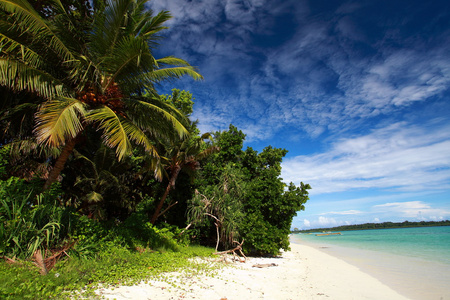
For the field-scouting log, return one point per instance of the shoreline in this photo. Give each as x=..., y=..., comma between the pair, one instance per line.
x=302, y=273
x=413, y=277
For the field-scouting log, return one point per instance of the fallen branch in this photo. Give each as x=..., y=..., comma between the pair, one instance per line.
x=237, y=248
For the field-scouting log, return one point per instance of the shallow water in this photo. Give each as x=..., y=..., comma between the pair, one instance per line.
x=413, y=261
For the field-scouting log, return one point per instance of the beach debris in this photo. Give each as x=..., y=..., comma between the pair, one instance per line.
x=235, y=256
x=264, y=265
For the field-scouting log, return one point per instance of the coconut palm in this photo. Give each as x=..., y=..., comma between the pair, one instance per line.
x=91, y=74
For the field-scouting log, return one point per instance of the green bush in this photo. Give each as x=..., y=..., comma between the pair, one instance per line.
x=29, y=221
x=138, y=232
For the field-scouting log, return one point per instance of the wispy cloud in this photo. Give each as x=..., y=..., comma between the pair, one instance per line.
x=346, y=212
x=394, y=211
x=328, y=76
x=399, y=157
x=412, y=209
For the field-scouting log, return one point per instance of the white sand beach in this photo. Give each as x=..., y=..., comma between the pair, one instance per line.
x=302, y=273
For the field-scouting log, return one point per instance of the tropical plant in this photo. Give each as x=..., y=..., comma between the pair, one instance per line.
x=29, y=222
x=184, y=153
x=223, y=204
x=97, y=184
x=91, y=71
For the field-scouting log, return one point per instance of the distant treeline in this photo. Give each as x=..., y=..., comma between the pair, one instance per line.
x=378, y=226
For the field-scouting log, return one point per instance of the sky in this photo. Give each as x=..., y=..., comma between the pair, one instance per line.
x=358, y=92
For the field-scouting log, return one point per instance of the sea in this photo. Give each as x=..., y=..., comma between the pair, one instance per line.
x=413, y=261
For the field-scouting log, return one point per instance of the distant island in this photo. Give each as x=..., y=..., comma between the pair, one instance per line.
x=384, y=225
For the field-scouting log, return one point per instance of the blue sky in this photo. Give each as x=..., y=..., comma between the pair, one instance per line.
x=358, y=92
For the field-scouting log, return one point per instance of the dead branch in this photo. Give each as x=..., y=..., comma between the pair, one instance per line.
x=237, y=248
x=9, y=260
x=169, y=207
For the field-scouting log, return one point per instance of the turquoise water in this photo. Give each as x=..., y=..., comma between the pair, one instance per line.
x=428, y=243
x=413, y=261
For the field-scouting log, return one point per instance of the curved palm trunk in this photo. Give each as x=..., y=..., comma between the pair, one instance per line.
x=60, y=162
x=171, y=184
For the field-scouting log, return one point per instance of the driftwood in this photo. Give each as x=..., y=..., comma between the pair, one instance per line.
x=264, y=265
x=235, y=256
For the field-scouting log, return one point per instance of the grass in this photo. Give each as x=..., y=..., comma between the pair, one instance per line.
x=79, y=278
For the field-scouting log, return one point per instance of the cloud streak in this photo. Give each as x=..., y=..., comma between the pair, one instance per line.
x=392, y=211
x=329, y=76
x=399, y=157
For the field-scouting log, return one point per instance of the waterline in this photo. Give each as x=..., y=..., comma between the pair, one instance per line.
x=408, y=260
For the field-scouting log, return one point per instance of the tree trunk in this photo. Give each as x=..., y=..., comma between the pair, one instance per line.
x=171, y=184
x=60, y=162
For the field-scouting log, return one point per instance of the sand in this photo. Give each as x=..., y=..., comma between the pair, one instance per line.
x=302, y=273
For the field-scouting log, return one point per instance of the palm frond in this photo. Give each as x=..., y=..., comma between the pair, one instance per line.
x=58, y=120
x=31, y=146
x=109, y=26
x=156, y=117
x=128, y=58
x=114, y=133
x=11, y=47
x=19, y=76
x=172, y=73
x=154, y=25
x=29, y=21
x=139, y=137
x=207, y=152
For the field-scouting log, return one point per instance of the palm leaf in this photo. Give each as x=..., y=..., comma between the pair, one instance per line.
x=29, y=21
x=156, y=117
x=12, y=47
x=108, y=26
x=127, y=59
x=19, y=76
x=139, y=137
x=172, y=73
x=114, y=133
x=58, y=120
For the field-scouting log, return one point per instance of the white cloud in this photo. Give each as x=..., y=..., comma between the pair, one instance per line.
x=346, y=212
x=398, y=157
x=326, y=222
x=315, y=81
x=306, y=223
x=412, y=209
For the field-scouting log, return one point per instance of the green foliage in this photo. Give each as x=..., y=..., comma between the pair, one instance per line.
x=182, y=100
x=266, y=202
x=138, y=232
x=29, y=222
x=230, y=143
x=220, y=204
x=79, y=277
x=270, y=206
x=4, y=153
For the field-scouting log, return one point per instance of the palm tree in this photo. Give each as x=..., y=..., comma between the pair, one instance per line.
x=182, y=154
x=91, y=77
